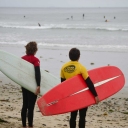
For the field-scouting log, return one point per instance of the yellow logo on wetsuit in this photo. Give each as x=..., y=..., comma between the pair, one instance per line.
x=70, y=69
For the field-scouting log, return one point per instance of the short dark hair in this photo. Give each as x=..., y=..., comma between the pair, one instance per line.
x=31, y=48
x=74, y=54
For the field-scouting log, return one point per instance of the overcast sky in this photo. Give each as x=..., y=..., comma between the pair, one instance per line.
x=63, y=3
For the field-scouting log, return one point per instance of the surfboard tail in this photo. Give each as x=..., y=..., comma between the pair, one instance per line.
x=42, y=105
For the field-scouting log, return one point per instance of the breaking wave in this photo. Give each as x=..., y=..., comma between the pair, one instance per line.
x=66, y=26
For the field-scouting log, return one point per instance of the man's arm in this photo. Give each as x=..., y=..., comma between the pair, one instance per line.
x=62, y=79
x=38, y=79
x=92, y=89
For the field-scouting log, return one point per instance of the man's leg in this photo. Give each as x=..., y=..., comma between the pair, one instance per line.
x=82, y=114
x=31, y=105
x=73, y=119
x=24, y=106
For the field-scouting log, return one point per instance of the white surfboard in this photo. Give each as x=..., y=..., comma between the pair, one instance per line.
x=22, y=72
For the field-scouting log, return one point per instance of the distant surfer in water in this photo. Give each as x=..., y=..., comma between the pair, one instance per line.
x=29, y=98
x=70, y=69
x=83, y=16
x=39, y=25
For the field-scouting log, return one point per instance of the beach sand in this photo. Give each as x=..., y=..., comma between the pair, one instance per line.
x=110, y=113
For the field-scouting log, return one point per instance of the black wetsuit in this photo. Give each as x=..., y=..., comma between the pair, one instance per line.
x=29, y=98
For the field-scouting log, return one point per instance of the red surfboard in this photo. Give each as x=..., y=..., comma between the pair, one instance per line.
x=74, y=94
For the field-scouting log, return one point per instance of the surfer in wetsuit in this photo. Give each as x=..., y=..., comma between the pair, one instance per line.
x=71, y=69
x=39, y=25
x=29, y=98
x=83, y=16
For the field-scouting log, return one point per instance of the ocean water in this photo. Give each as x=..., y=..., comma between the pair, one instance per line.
x=66, y=27
x=63, y=28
